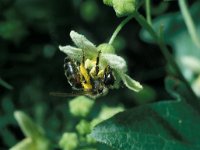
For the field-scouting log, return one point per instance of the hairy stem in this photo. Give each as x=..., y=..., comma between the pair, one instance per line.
x=148, y=10
x=165, y=51
x=119, y=27
x=189, y=22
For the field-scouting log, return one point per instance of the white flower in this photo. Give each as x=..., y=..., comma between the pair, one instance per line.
x=192, y=72
x=117, y=63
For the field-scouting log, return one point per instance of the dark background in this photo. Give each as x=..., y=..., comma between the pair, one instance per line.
x=30, y=61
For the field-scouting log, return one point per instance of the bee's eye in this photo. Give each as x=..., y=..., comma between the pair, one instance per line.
x=109, y=79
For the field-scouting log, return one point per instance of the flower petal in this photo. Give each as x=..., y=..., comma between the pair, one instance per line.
x=72, y=52
x=83, y=43
x=191, y=63
x=130, y=83
x=114, y=61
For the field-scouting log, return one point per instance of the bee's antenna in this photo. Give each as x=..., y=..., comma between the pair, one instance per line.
x=60, y=94
x=83, y=58
x=57, y=94
x=97, y=62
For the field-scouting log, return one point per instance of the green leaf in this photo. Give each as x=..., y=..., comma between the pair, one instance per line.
x=176, y=35
x=29, y=128
x=164, y=125
x=35, y=138
x=23, y=145
x=108, y=2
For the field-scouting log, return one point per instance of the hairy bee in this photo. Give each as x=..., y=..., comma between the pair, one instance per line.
x=90, y=81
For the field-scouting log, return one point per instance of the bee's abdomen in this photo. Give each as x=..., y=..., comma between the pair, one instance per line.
x=72, y=73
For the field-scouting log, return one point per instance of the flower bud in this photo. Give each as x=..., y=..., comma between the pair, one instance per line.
x=106, y=48
x=90, y=139
x=108, y=2
x=80, y=106
x=69, y=141
x=124, y=7
x=83, y=127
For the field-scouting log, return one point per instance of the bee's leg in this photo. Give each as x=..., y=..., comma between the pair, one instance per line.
x=97, y=63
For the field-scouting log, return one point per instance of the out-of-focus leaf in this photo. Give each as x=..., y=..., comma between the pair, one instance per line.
x=35, y=136
x=7, y=105
x=8, y=137
x=163, y=125
x=89, y=10
x=49, y=51
x=13, y=30
x=119, y=43
x=176, y=34
x=33, y=9
x=5, y=84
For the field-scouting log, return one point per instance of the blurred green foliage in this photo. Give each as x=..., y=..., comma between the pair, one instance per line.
x=31, y=65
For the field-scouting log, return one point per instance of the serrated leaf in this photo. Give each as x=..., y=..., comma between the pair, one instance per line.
x=164, y=125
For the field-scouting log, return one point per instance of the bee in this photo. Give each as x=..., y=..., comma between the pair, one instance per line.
x=91, y=81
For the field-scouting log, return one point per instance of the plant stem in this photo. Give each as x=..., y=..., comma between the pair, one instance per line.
x=5, y=84
x=165, y=51
x=189, y=22
x=119, y=27
x=148, y=10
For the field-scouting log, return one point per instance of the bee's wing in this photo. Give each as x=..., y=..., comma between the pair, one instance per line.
x=60, y=94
